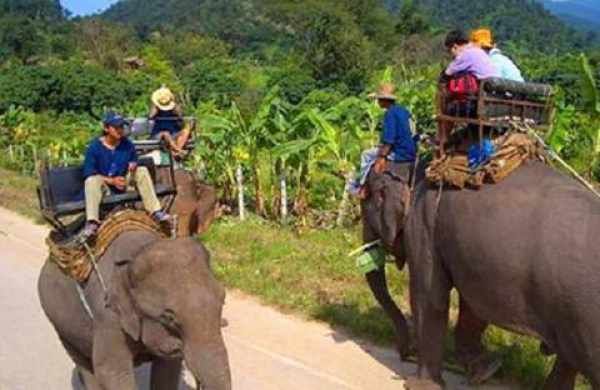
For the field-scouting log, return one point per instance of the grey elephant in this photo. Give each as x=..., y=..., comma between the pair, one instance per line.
x=196, y=203
x=383, y=217
x=162, y=305
x=524, y=255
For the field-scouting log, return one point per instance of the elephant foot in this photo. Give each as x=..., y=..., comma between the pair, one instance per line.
x=405, y=340
x=483, y=368
x=406, y=349
x=414, y=383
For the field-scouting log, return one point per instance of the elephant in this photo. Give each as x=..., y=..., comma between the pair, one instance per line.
x=161, y=304
x=523, y=254
x=383, y=215
x=196, y=203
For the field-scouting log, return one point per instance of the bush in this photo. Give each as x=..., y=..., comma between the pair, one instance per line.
x=71, y=86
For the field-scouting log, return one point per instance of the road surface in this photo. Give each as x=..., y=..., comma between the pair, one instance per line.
x=268, y=350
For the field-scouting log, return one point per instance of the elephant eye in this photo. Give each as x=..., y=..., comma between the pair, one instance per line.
x=168, y=319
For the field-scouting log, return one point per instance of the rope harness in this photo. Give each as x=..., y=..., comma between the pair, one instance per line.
x=78, y=259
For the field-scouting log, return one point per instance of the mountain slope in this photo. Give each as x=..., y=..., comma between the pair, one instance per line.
x=523, y=21
x=583, y=14
x=246, y=22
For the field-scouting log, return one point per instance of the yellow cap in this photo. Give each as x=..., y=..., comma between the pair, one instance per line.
x=482, y=37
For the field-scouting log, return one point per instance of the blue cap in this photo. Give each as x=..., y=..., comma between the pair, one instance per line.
x=115, y=120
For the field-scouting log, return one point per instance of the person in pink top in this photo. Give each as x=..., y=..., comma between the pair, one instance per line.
x=468, y=58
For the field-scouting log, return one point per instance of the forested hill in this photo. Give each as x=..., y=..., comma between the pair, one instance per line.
x=582, y=14
x=248, y=22
x=526, y=22
x=32, y=9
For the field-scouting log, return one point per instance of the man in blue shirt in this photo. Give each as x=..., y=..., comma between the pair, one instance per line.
x=396, y=142
x=111, y=166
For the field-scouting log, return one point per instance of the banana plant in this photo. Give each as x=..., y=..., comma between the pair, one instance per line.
x=591, y=98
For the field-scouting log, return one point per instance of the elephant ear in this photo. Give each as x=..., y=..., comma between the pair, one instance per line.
x=122, y=300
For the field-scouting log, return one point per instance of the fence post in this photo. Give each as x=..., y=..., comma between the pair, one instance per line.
x=35, y=158
x=239, y=174
x=343, y=206
x=284, y=197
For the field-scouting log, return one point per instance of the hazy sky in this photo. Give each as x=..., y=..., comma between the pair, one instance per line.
x=85, y=7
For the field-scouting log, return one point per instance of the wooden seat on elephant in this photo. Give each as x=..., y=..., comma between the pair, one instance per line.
x=495, y=108
x=61, y=193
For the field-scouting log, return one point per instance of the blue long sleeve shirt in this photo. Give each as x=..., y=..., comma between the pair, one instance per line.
x=100, y=160
x=397, y=134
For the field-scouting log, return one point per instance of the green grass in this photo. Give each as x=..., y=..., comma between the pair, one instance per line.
x=310, y=274
x=307, y=273
x=18, y=193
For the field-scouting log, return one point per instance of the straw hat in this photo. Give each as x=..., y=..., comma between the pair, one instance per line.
x=164, y=99
x=483, y=38
x=385, y=92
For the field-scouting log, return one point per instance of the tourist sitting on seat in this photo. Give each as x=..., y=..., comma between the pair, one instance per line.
x=505, y=66
x=168, y=121
x=468, y=58
x=111, y=167
x=396, y=143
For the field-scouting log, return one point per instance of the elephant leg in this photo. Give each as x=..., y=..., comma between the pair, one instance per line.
x=113, y=361
x=433, y=325
x=88, y=379
x=430, y=300
x=431, y=345
x=479, y=364
x=562, y=377
x=378, y=284
x=166, y=374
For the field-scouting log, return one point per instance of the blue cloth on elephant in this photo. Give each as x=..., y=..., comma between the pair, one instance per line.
x=479, y=154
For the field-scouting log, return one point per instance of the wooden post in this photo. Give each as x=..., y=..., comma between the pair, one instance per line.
x=35, y=158
x=284, y=197
x=341, y=217
x=239, y=174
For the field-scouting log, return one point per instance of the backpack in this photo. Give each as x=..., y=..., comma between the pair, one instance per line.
x=462, y=85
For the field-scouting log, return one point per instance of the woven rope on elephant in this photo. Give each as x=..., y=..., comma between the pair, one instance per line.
x=512, y=150
x=75, y=261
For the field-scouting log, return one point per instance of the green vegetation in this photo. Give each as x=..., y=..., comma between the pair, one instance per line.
x=279, y=88
x=18, y=193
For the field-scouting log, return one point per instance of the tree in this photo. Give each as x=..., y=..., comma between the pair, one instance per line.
x=334, y=46
x=106, y=44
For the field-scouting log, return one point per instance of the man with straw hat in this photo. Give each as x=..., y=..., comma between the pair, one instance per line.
x=396, y=142
x=168, y=120
x=506, y=67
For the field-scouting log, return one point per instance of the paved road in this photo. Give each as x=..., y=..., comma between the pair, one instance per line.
x=268, y=350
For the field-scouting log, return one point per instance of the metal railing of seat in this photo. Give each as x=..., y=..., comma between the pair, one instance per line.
x=142, y=126
x=497, y=105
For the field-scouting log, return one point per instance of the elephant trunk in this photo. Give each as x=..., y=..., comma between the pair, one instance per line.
x=208, y=361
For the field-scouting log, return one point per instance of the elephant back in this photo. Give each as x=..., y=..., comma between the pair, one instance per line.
x=75, y=259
